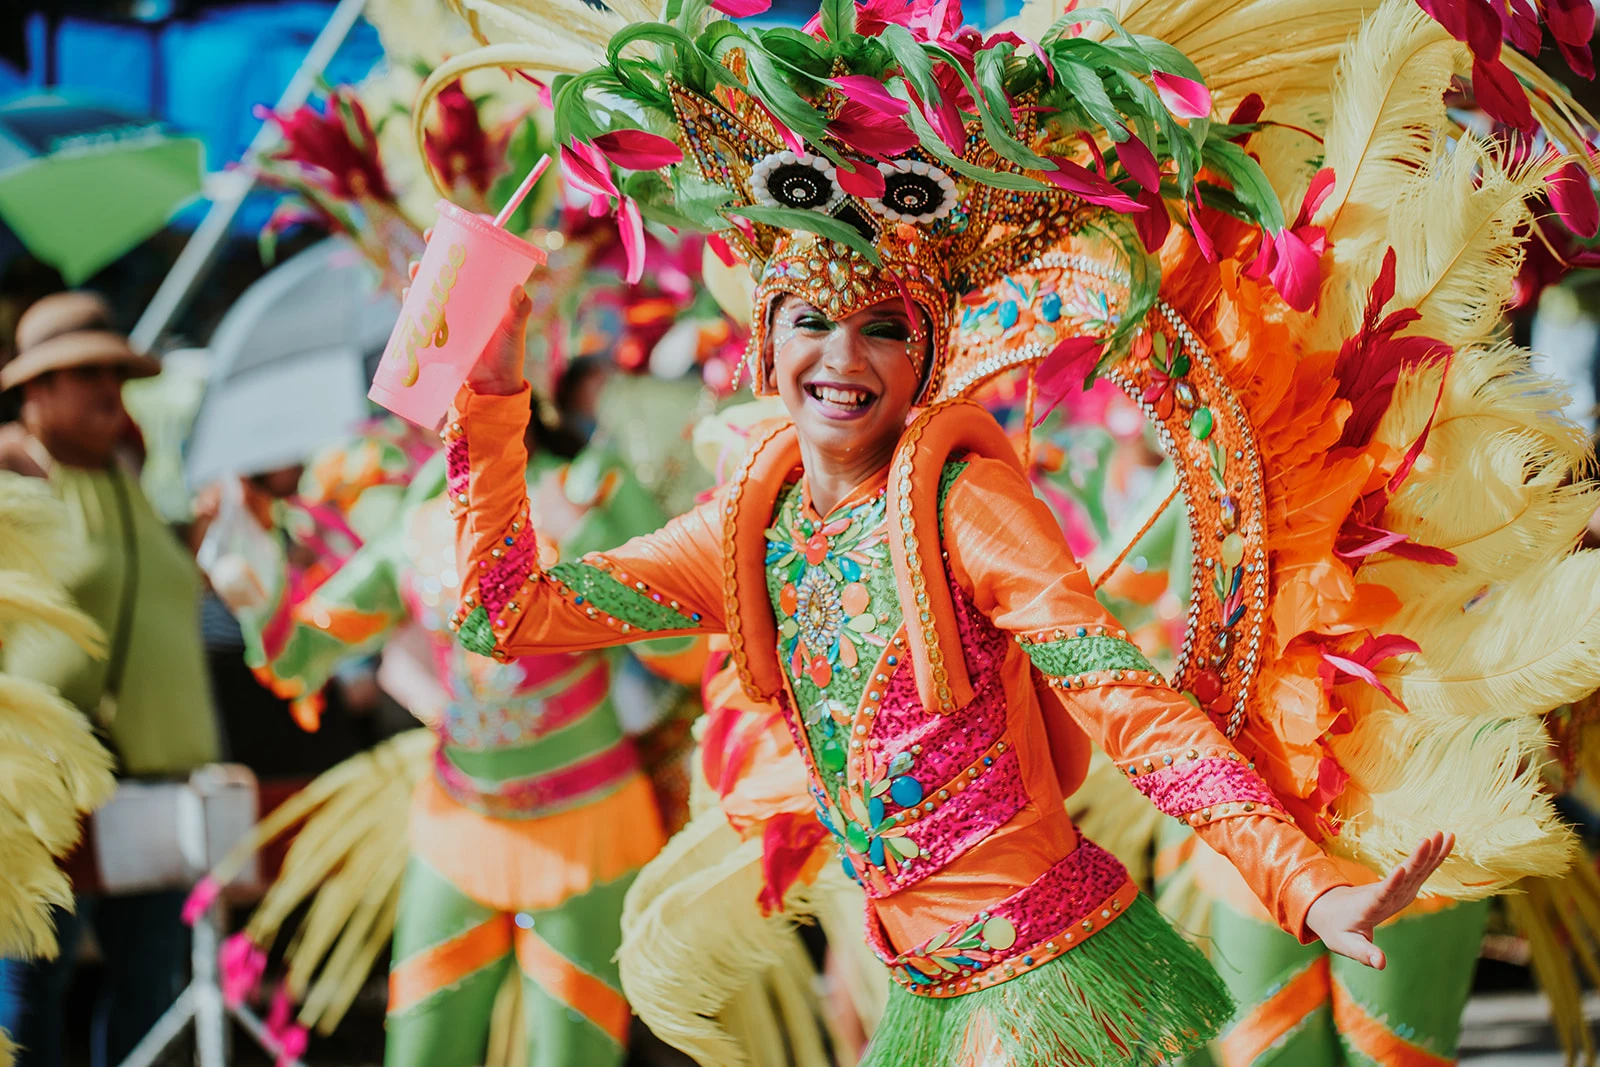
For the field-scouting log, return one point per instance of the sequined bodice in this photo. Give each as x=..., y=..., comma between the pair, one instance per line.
x=885, y=774
x=832, y=590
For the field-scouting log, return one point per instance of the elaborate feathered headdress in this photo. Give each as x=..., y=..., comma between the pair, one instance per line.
x=885, y=151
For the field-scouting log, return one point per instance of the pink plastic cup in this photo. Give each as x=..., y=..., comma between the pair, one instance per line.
x=461, y=292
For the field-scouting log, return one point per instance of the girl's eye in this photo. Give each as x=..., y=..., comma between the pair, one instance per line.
x=812, y=322
x=893, y=331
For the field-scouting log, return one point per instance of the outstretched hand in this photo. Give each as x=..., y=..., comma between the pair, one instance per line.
x=498, y=371
x=1345, y=917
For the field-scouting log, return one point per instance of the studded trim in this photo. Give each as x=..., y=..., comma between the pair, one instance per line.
x=625, y=603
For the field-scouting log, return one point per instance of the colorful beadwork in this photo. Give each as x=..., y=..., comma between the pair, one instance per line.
x=589, y=582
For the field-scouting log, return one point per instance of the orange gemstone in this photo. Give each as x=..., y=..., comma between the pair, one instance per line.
x=855, y=599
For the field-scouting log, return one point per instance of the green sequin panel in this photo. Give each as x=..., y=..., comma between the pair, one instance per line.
x=1081, y=655
x=825, y=710
x=947, y=481
x=476, y=635
x=619, y=601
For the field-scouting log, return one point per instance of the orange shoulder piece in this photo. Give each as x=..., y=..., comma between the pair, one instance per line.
x=752, y=494
x=943, y=430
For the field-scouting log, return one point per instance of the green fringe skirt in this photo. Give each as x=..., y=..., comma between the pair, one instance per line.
x=1134, y=994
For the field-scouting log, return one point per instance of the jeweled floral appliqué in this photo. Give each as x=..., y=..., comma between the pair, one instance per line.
x=825, y=605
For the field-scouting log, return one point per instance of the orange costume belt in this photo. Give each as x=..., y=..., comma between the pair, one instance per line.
x=1062, y=908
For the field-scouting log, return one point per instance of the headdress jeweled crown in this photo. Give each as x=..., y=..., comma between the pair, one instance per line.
x=888, y=150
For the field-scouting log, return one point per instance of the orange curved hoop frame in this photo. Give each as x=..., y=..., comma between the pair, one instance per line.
x=1200, y=424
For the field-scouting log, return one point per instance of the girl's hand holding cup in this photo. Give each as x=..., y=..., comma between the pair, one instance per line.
x=498, y=371
x=463, y=317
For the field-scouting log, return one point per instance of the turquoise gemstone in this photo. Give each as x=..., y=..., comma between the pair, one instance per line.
x=849, y=868
x=1008, y=314
x=850, y=569
x=875, y=852
x=875, y=810
x=906, y=791
x=855, y=836
x=1050, y=307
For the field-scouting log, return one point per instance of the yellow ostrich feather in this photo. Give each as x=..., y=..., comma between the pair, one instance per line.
x=1531, y=643
x=1495, y=484
x=1506, y=826
x=1387, y=110
x=571, y=22
x=1461, y=221
x=1283, y=49
x=31, y=601
x=52, y=769
x=1560, y=920
x=694, y=944
x=1564, y=120
x=35, y=534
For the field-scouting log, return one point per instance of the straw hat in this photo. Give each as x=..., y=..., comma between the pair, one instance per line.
x=71, y=330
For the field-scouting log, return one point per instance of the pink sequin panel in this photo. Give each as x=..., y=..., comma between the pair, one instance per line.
x=538, y=794
x=1196, y=784
x=1060, y=898
x=457, y=466
x=1062, y=895
x=965, y=820
x=949, y=742
x=502, y=578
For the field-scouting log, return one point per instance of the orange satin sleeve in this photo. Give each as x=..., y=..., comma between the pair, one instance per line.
x=1006, y=550
x=518, y=598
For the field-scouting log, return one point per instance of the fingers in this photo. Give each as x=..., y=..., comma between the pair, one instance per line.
x=1361, y=949
x=518, y=307
x=1402, y=884
x=412, y=268
x=427, y=235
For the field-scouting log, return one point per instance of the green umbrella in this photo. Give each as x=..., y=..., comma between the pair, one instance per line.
x=81, y=184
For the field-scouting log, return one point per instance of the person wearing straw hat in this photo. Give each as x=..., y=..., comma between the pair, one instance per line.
x=148, y=695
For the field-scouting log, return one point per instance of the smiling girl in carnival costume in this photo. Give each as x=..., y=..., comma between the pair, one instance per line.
x=916, y=202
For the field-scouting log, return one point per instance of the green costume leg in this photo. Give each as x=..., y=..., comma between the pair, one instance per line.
x=1409, y=1013
x=572, y=993
x=1285, y=1018
x=450, y=956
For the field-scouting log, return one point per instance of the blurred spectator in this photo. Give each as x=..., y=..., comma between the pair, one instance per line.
x=148, y=695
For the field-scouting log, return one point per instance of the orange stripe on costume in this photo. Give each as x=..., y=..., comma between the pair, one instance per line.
x=416, y=979
x=572, y=986
x=1376, y=1041
x=533, y=864
x=1268, y=1022
x=348, y=625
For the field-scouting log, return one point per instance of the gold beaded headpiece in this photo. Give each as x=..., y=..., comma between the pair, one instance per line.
x=936, y=233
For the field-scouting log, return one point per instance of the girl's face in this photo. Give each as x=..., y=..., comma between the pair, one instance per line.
x=849, y=385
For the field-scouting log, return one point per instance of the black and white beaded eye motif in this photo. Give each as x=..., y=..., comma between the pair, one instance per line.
x=914, y=191
x=787, y=179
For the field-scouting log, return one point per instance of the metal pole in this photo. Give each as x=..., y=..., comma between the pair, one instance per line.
x=198, y=254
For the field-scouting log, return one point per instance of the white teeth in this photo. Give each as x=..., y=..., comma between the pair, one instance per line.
x=850, y=398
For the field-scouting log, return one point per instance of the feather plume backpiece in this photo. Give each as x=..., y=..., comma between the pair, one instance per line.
x=1420, y=605
x=52, y=769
